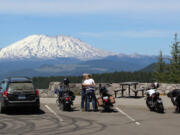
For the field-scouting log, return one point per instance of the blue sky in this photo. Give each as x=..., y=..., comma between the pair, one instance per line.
x=125, y=26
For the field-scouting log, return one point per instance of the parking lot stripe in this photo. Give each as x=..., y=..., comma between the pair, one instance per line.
x=60, y=119
x=129, y=117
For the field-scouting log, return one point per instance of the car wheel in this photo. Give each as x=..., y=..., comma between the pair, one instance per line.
x=2, y=109
x=37, y=109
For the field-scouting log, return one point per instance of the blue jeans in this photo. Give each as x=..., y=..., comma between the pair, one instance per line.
x=90, y=94
x=82, y=98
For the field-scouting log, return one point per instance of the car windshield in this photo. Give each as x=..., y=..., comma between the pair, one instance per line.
x=20, y=86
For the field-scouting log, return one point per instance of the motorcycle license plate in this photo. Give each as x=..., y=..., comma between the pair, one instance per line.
x=105, y=97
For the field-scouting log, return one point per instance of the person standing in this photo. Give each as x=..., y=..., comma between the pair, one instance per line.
x=83, y=92
x=89, y=85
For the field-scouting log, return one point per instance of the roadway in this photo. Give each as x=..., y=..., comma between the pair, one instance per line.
x=125, y=120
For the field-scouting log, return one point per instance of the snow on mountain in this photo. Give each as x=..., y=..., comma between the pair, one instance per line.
x=134, y=55
x=46, y=47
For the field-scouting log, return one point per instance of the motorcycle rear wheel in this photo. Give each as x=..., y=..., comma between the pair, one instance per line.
x=61, y=106
x=160, y=108
x=68, y=108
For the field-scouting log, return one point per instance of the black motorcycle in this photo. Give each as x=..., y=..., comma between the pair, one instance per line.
x=65, y=102
x=65, y=97
x=106, y=100
x=154, y=102
x=107, y=105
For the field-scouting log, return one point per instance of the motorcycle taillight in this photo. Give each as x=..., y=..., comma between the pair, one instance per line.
x=67, y=98
x=106, y=100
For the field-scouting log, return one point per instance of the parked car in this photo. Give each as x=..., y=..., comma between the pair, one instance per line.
x=18, y=92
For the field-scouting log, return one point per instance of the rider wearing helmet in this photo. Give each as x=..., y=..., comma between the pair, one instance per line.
x=155, y=85
x=103, y=90
x=64, y=88
x=66, y=81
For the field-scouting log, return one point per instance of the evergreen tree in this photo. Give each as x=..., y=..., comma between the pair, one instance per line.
x=160, y=70
x=174, y=67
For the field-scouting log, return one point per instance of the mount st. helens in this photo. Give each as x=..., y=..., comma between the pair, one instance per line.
x=41, y=55
x=45, y=47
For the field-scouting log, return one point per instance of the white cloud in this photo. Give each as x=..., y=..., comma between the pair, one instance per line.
x=130, y=34
x=87, y=6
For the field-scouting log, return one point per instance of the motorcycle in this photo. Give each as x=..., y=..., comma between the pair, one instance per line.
x=107, y=104
x=65, y=96
x=153, y=101
x=106, y=100
x=65, y=102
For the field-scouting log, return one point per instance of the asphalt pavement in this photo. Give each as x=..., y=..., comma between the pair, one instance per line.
x=130, y=116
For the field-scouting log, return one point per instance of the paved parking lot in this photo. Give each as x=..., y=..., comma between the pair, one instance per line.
x=125, y=120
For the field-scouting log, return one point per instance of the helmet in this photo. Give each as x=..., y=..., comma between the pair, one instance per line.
x=66, y=81
x=103, y=90
x=155, y=85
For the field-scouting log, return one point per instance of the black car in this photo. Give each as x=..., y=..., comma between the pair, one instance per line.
x=18, y=92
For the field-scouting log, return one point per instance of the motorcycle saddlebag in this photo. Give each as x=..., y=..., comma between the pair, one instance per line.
x=99, y=101
x=112, y=99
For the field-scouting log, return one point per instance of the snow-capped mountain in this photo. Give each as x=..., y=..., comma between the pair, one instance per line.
x=46, y=47
x=40, y=55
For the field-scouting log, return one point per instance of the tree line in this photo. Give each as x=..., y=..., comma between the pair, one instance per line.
x=168, y=68
x=115, y=77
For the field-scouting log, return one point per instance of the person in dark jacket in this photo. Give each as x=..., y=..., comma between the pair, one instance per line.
x=175, y=98
x=64, y=88
x=103, y=91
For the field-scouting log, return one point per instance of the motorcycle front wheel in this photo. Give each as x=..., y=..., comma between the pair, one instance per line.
x=149, y=105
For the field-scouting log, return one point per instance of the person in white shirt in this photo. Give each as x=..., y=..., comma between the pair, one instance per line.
x=89, y=84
